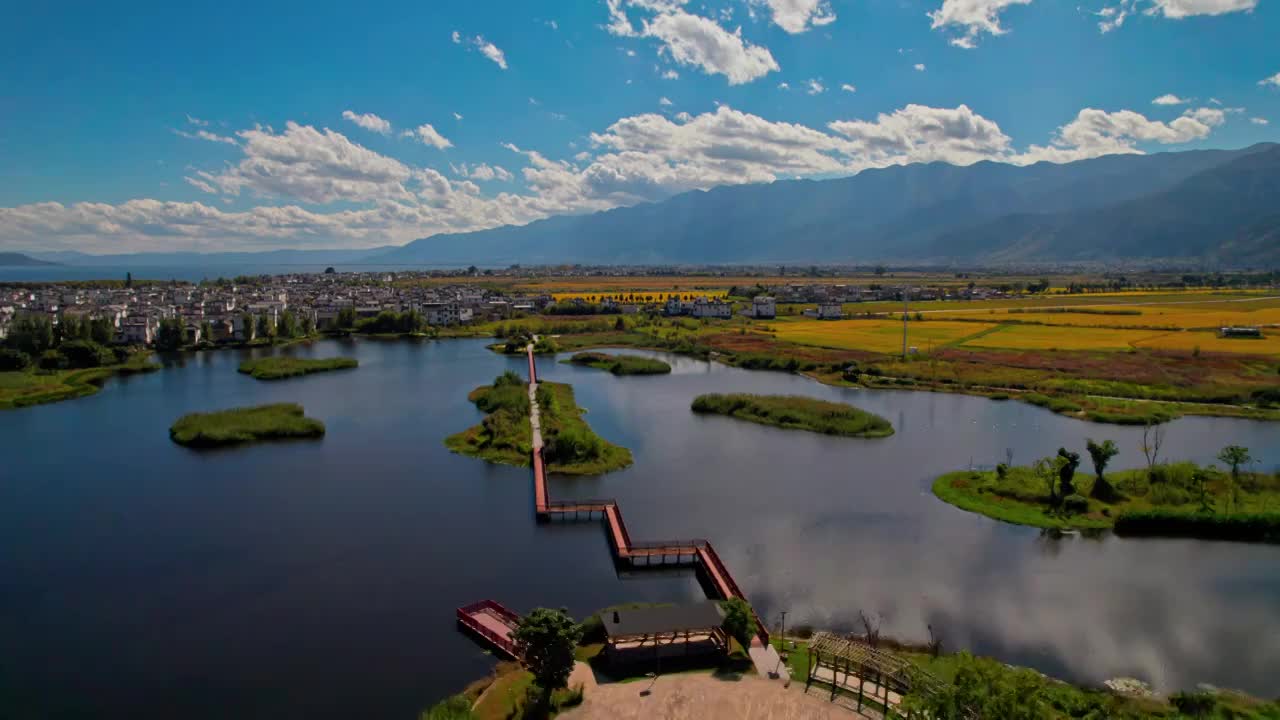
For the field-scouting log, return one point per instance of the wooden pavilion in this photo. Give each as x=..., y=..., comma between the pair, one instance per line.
x=673, y=631
x=863, y=673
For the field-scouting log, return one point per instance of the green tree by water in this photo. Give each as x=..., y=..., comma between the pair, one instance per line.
x=1234, y=456
x=101, y=330
x=738, y=621
x=206, y=332
x=1067, y=463
x=265, y=329
x=456, y=707
x=31, y=334
x=1101, y=454
x=171, y=335
x=546, y=640
x=286, y=325
x=347, y=318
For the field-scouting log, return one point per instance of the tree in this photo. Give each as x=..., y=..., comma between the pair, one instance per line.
x=546, y=640
x=1067, y=464
x=1234, y=456
x=1101, y=455
x=308, y=325
x=171, y=335
x=128, y=279
x=456, y=707
x=32, y=334
x=1047, y=470
x=246, y=326
x=206, y=332
x=286, y=324
x=102, y=331
x=265, y=328
x=11, y=359
x=738, y=620
x=1152, y=439
x=329, y=271
x=347, y=318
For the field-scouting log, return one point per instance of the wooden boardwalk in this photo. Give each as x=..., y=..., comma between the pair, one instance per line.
x=493, y=623
x=695, y=553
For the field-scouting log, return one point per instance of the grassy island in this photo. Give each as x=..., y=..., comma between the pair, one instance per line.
x=796, y=412
x=1165, y=499
x=36, y=386
x=570, y=446
x=281, y=421
x=278, y=368
x=620, y=364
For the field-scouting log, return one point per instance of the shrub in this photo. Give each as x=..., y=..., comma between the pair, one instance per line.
x=1255, y=527
x=14, y=360
x=1075, y=504
x=86, y=354
x=52, y=360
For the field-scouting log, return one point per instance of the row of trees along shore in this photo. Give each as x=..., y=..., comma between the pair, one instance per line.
x=72, y=344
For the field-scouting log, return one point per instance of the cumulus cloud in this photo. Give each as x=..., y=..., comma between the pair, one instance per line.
x=784, y=86
x=919, y=67
x=693, y=40
x=1259, y=121
x=486, y=48
x=665, y=101
x=815, y=87
x=456, y=37
x=1178, y=9
x=1096, y=132
x=972, y=17
x=1169, y=99
x=1273, y=81
x=848, y=88
x=635, y=159
x=197, y=121
x=368, y=121
x=427, y=135
x=457, y=116
x=670, y=75
x=797, y=16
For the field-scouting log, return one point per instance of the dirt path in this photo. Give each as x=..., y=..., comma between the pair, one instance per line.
x=699, y=696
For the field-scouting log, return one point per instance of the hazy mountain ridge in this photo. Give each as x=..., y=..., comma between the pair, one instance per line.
x=13, y=259
x=982, y=212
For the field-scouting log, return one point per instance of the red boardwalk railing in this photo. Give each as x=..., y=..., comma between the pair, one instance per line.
x=624, y=549
x=493, y=623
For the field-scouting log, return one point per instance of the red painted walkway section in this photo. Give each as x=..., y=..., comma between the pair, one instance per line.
x=624, y=549
x=492, y=622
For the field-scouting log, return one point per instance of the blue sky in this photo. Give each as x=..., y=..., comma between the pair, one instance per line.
x=232, y=126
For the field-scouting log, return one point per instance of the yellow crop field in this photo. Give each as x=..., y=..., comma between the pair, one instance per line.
x=638, y=295
x=1049, y=337
x=1186, y=317
x=1210, y=342
x=875, y=335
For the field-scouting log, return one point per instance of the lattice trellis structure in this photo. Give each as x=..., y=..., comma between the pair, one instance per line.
x=872, y=676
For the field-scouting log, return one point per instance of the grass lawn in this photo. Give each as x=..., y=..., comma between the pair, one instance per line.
x=504, y=696
x=278, y=368
x=279, y=421
x=1021, y=497
x=620, y=364
x=31, y=387
x=796, y=413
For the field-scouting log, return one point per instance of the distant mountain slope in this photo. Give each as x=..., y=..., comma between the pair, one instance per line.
x=923, y=211
x=1228, y=212
x=265, y=258
x=12, y=259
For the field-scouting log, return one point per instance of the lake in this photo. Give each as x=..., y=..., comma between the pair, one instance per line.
x=319, y=579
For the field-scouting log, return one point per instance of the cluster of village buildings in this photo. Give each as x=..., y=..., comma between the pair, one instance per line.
x=229, y=311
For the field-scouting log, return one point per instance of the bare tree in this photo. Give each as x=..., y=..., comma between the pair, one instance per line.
x=871, y=630
x=935, y=642
x=1152, y=439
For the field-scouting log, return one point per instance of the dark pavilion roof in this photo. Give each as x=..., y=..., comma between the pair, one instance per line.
x=648, y=621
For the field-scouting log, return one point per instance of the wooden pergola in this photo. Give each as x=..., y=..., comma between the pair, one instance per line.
x=867, y=673
x=640, y=634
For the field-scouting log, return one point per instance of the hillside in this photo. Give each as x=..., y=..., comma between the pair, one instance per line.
x=935, y=211
x=12, y=259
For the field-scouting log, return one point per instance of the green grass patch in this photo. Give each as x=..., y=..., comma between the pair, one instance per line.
x=504, y=435
x=569, y=445
x=797, y=413
x=1175, y=499
x=280, y=421
x=34, y=387
x=620, y=364
x=278, y=368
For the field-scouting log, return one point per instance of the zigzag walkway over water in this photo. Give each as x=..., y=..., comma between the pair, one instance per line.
x=495, y=623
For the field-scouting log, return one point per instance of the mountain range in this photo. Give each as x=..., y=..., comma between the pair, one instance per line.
x=12, y=259
x=1203, y=206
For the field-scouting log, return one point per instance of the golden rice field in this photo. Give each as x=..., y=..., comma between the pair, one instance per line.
x=1210, y=342
x=1049, y=337
x=876, y=335
x=1187, y=317
x=639, y=295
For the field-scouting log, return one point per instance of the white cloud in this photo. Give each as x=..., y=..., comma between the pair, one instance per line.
x=429, y=136
x=692, y=40
x=457, y=116
x=482, y=172
x=1273, y=81
x=848, y=88
x=1097, y=132
x=670, y=75
x=197, y=121
x=368, y=121
x=1214, y=101
x=664, y=101
x=919, y=67
x=797, y=16
x=637, y=158
x=1259, y=121
x=205, y=135
x=1178, y=9
x=490, y=51
x=456, y=37
x=553, y=24
x=784, y=86
x=973, y=16
x=814, y=87
x=1170, y=99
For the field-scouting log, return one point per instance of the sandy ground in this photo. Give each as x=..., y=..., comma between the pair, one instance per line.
x=698, y=696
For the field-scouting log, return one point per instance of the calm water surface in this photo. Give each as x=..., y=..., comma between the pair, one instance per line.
x=142, y=579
